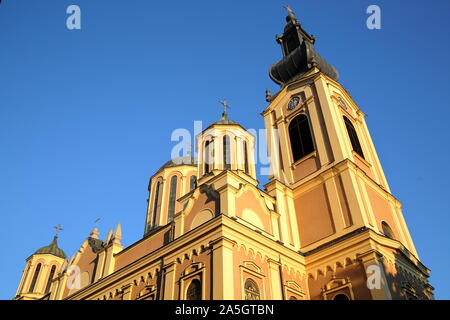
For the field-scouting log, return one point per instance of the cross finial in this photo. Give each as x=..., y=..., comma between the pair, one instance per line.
x=289, y=10
x=225, y=105
x=58, y=228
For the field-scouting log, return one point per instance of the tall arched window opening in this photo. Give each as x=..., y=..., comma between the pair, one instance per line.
x=341, y=296
x=208, y=156
x=251, y=290
x=194, y=291
x=192, y=183
x=50, y=278
x=156, y=204
x=35, y=277
x=245, y=157
x=387, y=230
x=226, y=153
x=300, y=136
x=356, y=146
x=172, y=198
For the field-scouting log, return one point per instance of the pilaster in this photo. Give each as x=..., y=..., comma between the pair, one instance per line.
x=169, y=281
x=275, y=280
x=223, y=266
x=376, y=276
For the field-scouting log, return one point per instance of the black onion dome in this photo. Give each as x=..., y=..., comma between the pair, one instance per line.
x=52, y=248
x=297, y=63
x=299, y=55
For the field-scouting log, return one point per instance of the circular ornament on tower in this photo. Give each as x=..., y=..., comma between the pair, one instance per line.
x=293, y=103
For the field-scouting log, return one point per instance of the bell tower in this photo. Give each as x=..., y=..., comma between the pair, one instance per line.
x=329, y=184
x=321, y=149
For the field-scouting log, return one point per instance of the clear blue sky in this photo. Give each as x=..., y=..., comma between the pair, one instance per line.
x=86, y=116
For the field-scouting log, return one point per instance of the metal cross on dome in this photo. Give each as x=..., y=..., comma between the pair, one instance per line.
x=225, y=105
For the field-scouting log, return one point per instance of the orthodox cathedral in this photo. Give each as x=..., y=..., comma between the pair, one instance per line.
x=325, y=226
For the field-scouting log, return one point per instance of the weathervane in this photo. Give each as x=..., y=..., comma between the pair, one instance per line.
x=58, y=228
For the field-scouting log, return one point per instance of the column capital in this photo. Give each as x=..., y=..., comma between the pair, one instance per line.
x=169, y=267
x=222, y=242
x=273, y=263
x=126, y=291
x=369, y=256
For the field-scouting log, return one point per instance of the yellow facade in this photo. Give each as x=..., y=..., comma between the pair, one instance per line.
x=325, y=226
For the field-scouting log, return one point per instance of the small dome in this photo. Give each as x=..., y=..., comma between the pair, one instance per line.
x=53, y=249
x=225, y=120
x=180, y=161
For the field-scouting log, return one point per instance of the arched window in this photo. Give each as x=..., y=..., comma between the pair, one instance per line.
x=300, y=135
x=172, y=198
x=155, y=203
x=251, y=290
x=194, y=291
x=387, y=230
x=245, y=157
x=50, y=278
x=148, y=221
x=353, y=137
x=192, y=183
x=35, y=277
x=226, y=153
x=341, y=296
x=208, y=156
